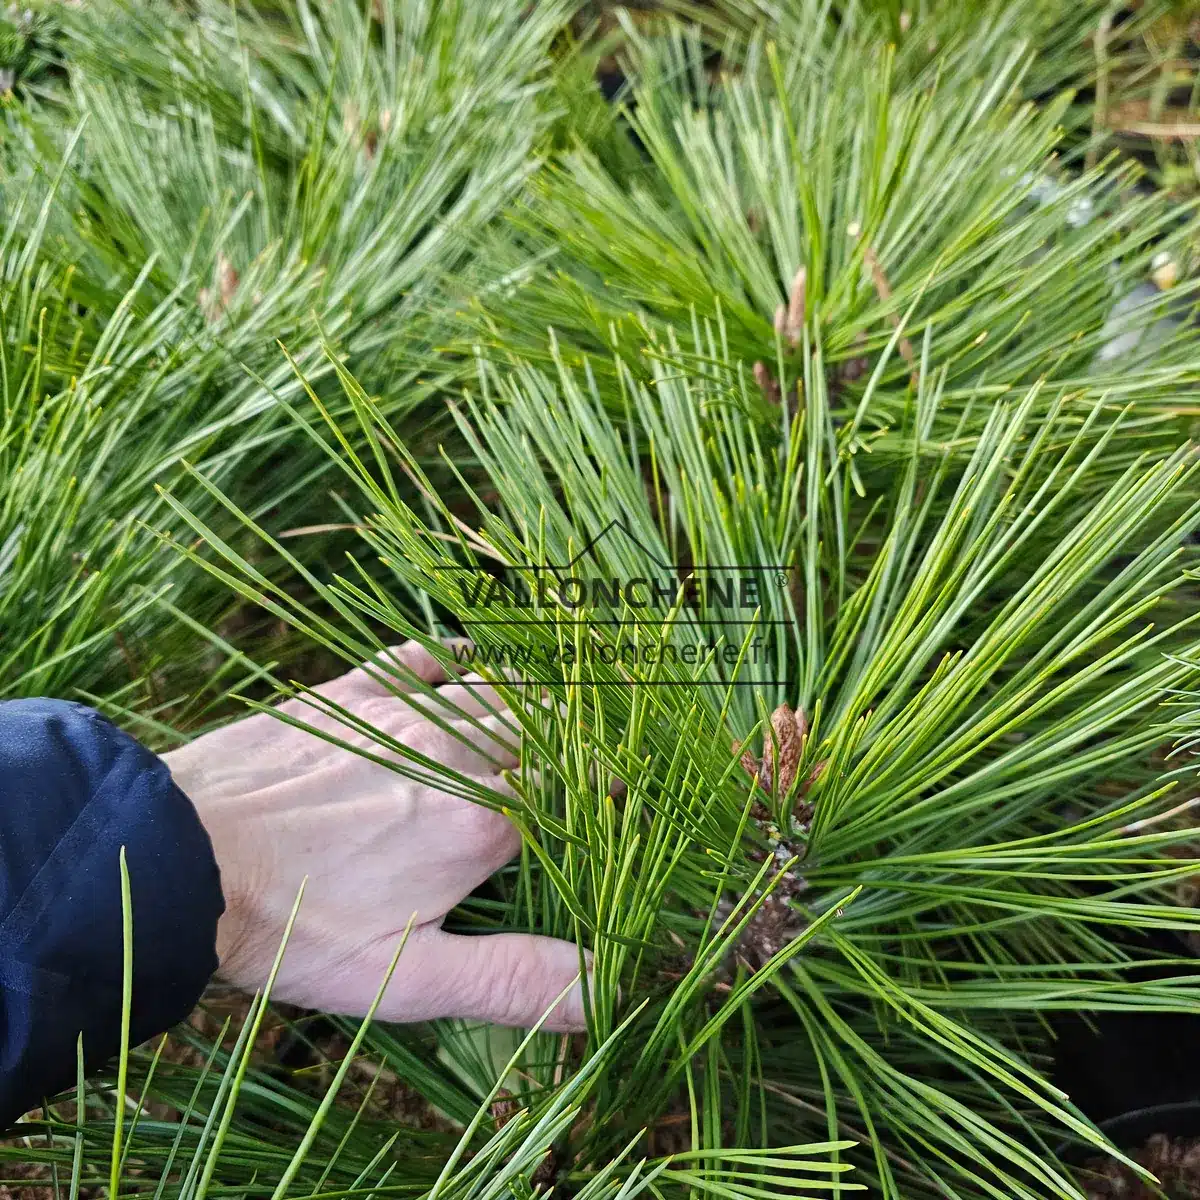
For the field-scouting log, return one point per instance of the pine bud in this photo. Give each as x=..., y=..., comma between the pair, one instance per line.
x=767, y=381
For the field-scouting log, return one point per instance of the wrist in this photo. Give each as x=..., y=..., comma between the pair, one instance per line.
x=232, y=925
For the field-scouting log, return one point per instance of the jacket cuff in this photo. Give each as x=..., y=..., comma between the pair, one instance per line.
x=74, y=790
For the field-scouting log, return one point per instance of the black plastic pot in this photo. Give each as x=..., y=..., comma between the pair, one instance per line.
x=1118, y=1063
x=1114, y=1063
x=1130, y=1130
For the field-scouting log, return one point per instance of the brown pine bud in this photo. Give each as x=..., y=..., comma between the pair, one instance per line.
x=227, y=280
x=786, y=745
x=546, y=1172
x=504, y=1108
x=215, y=300
x=793, y=324
x=766, y=381
x=749, y=762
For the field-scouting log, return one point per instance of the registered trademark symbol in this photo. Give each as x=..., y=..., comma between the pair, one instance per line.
x=782, y=579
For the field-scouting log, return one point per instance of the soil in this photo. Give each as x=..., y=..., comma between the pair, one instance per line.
x=322, y=1053
x=392, y=1100
x=1175, y=1161
x=25, y=1181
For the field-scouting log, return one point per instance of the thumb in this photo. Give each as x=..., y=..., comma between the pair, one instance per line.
x=505, y=978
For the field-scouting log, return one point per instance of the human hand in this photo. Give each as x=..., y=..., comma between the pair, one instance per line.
x=281, y=805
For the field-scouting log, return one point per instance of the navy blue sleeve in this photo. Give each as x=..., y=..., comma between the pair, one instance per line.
x=74, y=789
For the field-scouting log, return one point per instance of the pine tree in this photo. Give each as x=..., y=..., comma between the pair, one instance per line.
x=840, y=587
x=198, y=188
